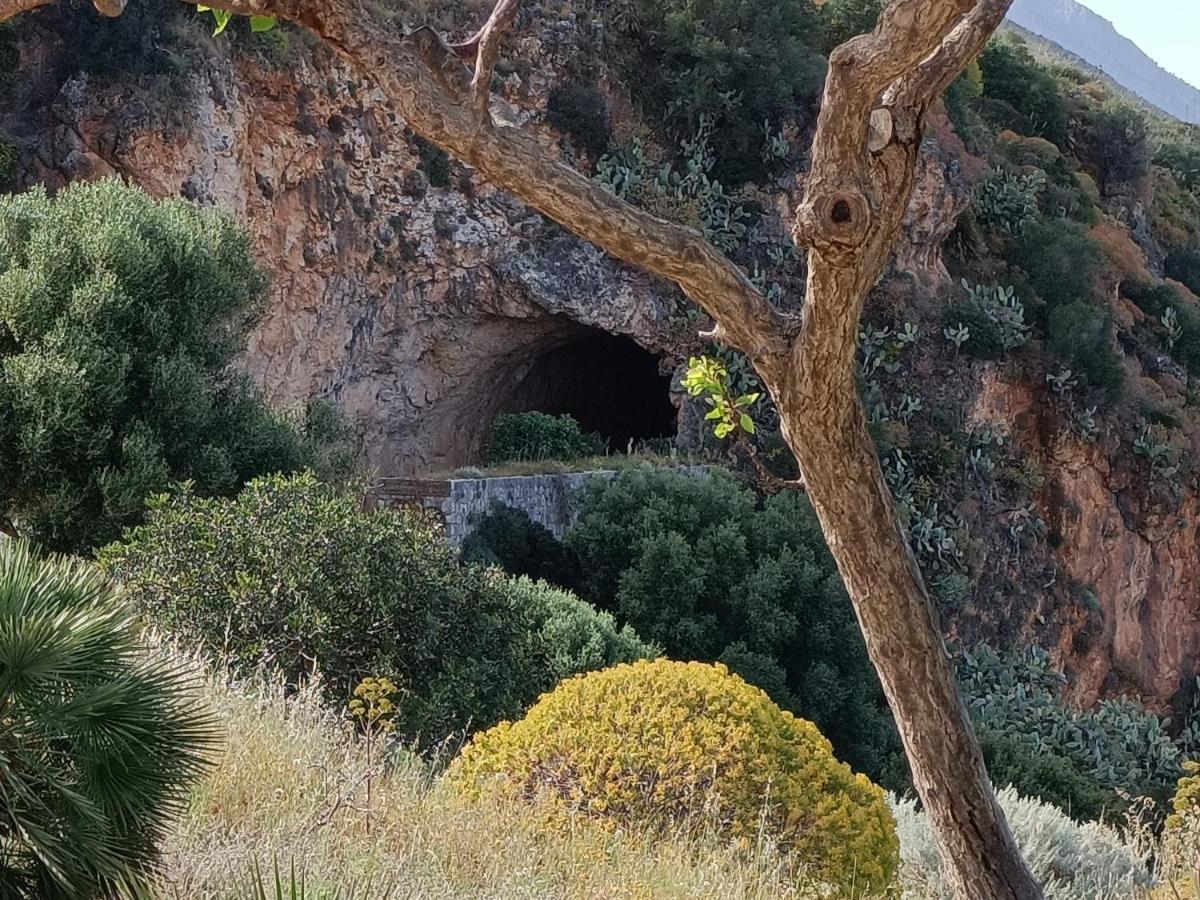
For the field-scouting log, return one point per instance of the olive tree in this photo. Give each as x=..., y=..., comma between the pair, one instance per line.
x=877, y=93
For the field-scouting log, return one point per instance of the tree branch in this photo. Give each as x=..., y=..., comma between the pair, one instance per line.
x=428, y=85
x=485, y=45
x=937, y=71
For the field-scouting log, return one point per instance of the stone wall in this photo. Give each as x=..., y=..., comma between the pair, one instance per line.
x=546, y=499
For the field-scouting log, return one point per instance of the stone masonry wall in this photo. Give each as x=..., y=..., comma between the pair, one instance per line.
x=546, y=499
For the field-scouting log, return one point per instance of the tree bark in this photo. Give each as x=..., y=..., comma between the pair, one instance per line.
x=864, y=156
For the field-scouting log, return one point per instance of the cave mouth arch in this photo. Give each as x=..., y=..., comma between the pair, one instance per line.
x=608, y=383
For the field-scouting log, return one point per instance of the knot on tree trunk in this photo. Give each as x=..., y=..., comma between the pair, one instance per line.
x=836, y=221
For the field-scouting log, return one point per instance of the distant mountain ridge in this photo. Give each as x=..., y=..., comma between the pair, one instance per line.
x=1091, y=37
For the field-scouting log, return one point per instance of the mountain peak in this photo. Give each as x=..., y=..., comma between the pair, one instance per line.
x=1086, y=34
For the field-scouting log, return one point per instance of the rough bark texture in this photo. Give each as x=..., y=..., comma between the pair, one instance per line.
x=864, y=164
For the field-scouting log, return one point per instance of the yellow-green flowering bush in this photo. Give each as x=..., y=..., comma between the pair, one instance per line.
x=661, y=745
x=1186, y=801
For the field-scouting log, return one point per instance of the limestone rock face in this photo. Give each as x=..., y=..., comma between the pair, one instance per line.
x=403, y=287
x=1131, y=554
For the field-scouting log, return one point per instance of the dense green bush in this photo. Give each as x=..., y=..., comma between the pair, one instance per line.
x=1114, y=140
x=1184, y=266
x=1080, y=334
x=98, y=741
x=697, y=565
x=508, y=538
x=670, y=747
x=741, y=63
x=1032, y=102
x=580, y=112
x=844, y=19
x=1018, y=760
x=1060, y=259
x=535, y=435
x=295, y=575
x=1182, y=159
x=119, y=318
x=994, y=317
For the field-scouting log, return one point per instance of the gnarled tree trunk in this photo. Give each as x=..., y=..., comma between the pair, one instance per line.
x=879, y=88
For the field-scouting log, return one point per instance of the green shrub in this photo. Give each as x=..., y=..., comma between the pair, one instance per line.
x=580, y=112
x=572, y=635
x=295, y=575
x=995, y=319
x=666, y=745
x=1008, y=202
x=1182, y=160
x=536, y=436
x=1072, y=861
x=1031, y=95
x=1183, y=265
x=844, y=19
x=508, y=538
x=119, y=318
x=1080, y=333
x=98, y=741
x=1155, y=300
x=1016, y=760
x=1060, y=259
x=696, y=565
x=1114, y=139
x=742, y=63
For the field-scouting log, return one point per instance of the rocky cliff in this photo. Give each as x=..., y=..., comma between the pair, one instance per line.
x=425, y=302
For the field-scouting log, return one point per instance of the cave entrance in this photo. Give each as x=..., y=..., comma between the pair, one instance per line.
x=609, y=384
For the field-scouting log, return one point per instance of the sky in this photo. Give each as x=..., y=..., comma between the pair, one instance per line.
x=1168, y=30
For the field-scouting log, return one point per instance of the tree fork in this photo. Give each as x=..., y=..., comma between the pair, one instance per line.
x=878, y=90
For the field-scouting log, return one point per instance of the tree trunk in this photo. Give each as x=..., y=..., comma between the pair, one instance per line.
x=841, y=471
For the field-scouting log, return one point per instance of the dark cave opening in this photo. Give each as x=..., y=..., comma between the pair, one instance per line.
x=611, y=386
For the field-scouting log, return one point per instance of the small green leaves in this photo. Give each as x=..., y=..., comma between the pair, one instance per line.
x=709, y=378
x=223, y=17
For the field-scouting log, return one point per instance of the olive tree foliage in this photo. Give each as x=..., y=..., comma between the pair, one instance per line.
x=863, y=161
x=119, y=318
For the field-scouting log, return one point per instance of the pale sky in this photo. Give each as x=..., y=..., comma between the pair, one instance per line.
x=1168, y=30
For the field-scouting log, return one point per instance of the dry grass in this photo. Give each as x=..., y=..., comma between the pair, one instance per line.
x=291, y=786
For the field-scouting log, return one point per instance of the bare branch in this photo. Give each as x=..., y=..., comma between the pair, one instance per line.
x=485, y=45
x=938, y=71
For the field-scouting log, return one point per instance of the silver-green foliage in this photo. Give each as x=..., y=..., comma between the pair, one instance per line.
x=98, y=741
x=1118, y=743
x=1072, y=860
x=1009, y=202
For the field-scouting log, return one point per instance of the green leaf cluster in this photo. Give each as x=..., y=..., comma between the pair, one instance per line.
x=708, y=377
x=119, y=318
x=297, y=576
x=537, y=436
x=223, y=17
x=99, y=742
